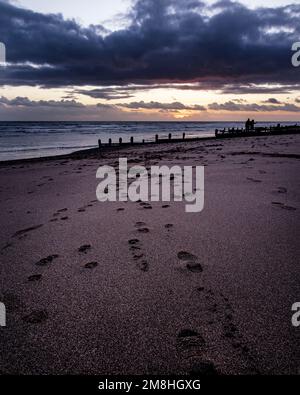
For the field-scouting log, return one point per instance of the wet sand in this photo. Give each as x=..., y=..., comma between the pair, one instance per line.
x=129, y=288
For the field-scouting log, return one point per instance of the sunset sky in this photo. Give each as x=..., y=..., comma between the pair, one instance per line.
x=149, y=60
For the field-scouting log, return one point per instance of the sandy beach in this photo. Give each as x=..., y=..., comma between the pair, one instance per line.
x=106, y=288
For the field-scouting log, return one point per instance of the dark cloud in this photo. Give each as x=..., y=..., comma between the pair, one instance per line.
x=259, y=89
x=232, y=105
x=253, y=107
x=25, y=102
x=272, y=100
x=166, y=42
x=124, y=92
x=175, y=106
x=105, y=93
x=23, y=109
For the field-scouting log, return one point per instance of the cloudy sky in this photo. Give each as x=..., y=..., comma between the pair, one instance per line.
x=149, y=60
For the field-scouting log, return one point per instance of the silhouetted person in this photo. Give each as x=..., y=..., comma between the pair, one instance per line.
x=252, y=123
x=247, y=124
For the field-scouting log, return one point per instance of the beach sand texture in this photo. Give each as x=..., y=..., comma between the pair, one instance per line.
x=126, y=288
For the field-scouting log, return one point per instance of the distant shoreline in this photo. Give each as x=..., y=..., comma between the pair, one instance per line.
x=35, y=140
x=84, y=153
x=91, y=152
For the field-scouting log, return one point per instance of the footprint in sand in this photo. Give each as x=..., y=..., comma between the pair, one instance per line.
x=133, y=241
x=290, y=208
x=253, y=179
x=143, y=230
x=137, y=256
x=165, y=206
x=135, y=245
x=84, y=248
x=91, y=265
x=203, y=368
x=282, y=190
x=120, y=209
x=81, y=210
x=231, y=332
x=64, y=218
x=189, y=334
x=146, y=205
x=35, y=277
x=284, y=206
x=36, y=317
x=134, y=248
x=277, y=203
x=220, y=317
x=169, y=226
x=143, y=265
x=30, y=229
x=190, y=261
x=7, y=245
x=140, y=224
x=45, y=261
x=190, y=347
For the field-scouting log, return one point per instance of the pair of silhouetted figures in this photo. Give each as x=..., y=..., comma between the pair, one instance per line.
x=249, y=125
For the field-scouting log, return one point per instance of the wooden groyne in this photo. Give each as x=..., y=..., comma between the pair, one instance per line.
x=258, y=131
x=219, y=133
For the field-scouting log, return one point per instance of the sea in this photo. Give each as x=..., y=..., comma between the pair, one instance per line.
x=20, y=140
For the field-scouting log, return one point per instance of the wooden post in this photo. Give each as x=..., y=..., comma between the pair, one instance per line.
x=109, y=142
x=131, y=140
x=156, y=138
x=120, y=140
x=183, y=136
x=99, y=143
x=170, y=136
x=143, y=141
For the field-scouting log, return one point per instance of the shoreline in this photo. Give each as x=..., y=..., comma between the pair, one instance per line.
x=106, y=148
x=85, y=153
